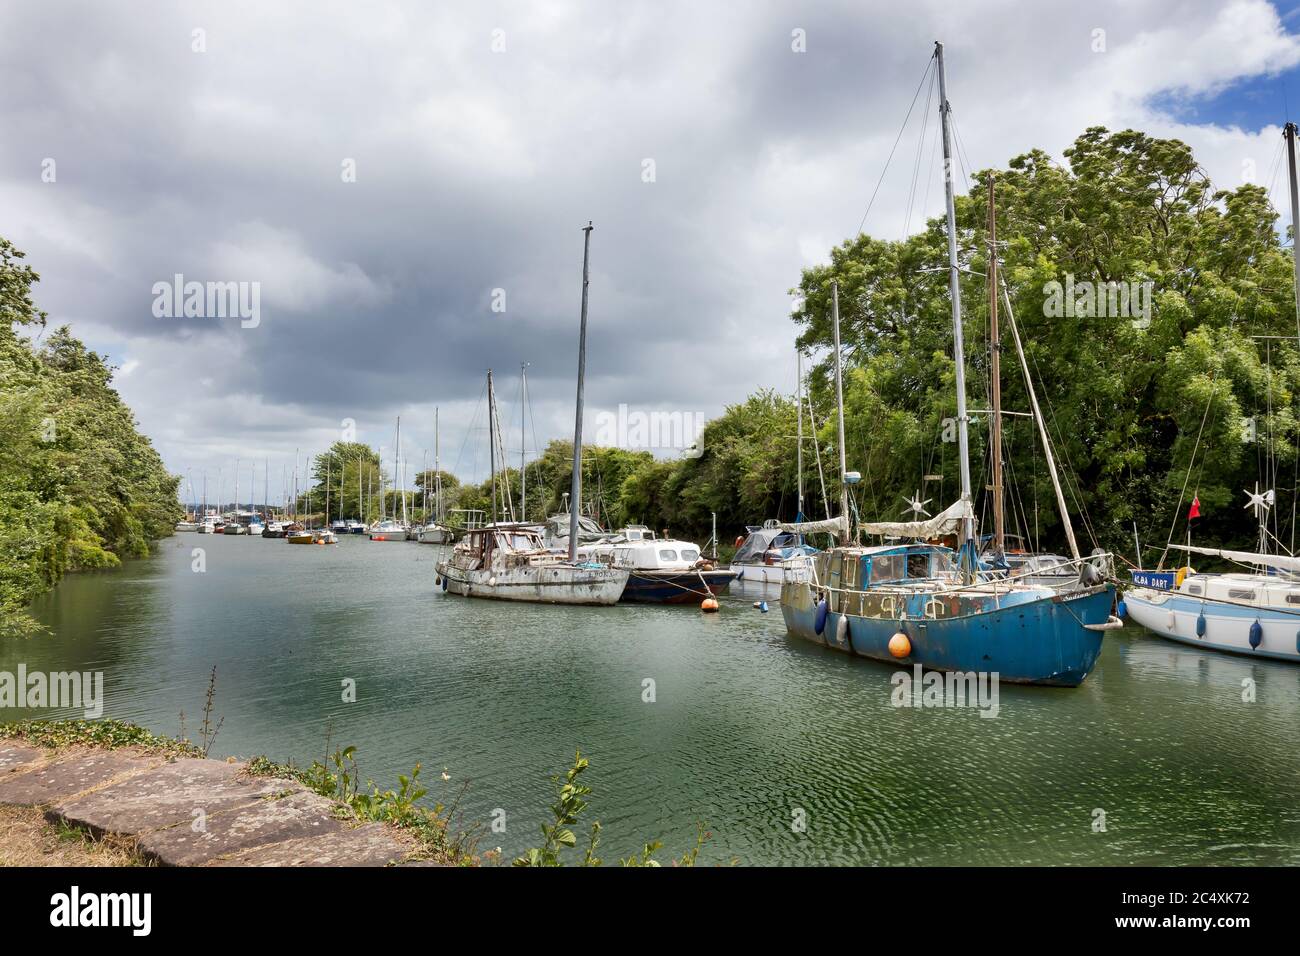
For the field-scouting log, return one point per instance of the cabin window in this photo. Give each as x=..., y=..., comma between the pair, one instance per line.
x=887, y=567
x=1293, y=599
x=667, y=554
x=918, y=565
x=1193, y=589
x=1238, y=594
x=690, y=554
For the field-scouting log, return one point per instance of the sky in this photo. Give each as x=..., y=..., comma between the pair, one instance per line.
x=403, y=187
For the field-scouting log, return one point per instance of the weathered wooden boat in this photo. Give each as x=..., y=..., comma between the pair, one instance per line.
x=510, y=563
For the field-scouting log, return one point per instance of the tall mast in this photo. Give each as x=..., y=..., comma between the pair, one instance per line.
x=492, y=445
x=361, y=501
x=839, y=406
x=575, y=487
x=523, y=445
x=798, y=401
x=1290, y=131
x=236, y=489
x=328, y=461
x=437, y=473
x=205, y=492
x=397, y=470
x=995, y=372
x=266, y=490
x=954, y=293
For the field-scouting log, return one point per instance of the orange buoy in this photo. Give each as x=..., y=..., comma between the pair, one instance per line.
x=899, y=645
x=709, y=605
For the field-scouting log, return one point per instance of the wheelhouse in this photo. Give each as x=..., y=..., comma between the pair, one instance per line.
x=890, y=566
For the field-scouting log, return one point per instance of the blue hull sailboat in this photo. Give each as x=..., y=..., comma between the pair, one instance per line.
x=928, y=605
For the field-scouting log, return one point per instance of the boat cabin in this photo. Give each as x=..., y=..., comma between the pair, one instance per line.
x=889, y=565
x=1256, y=590
x=645, y=554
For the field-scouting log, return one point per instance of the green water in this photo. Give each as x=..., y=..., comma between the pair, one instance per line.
x=749, y=728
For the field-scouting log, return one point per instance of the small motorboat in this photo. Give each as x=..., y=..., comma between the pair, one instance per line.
x=187, y=526
x=355, y=527
x=660, y=571
x=300, y=535
x=434, y=533
x=273, y=530
x=388, y=530
x=324, y=536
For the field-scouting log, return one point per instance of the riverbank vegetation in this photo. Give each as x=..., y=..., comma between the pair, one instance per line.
x=441, y=833
x=80, y=487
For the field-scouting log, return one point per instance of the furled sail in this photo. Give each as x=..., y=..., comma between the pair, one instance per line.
x=838, y=525
x=947, y=521
x=1282, y=562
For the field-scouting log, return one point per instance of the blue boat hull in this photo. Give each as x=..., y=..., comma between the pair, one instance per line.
x=1040, y=641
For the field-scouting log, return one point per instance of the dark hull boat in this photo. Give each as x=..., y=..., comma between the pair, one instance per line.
x=675, y=587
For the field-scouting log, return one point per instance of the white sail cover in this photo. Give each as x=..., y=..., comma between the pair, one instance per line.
x=1282, y=562
x=838, y=525
x=947, y=521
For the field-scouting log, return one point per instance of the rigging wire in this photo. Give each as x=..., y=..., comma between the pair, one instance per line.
x=928, y=67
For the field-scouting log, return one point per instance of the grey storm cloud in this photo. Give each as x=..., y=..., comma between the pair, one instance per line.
x=484, y=135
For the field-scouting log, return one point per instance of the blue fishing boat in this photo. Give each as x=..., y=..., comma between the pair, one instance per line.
x=929, y=605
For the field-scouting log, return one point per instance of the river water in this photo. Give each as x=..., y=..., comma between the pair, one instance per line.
x=788, y=753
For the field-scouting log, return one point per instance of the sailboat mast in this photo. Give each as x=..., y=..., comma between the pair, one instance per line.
x=954, y=293
x=995, y=373
x=437, y=473
x=575, y=486
x=523, y=445
x=839, y=407
x=397, y=468
x=798, y=401
x=492, y=445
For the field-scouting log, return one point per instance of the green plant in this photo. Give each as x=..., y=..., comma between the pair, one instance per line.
x=568, y=806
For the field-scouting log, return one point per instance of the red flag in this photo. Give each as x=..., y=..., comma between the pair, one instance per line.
x=1195, y=510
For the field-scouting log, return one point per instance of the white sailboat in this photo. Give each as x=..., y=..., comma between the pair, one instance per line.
x=1254, y=612
x=508, y=561
x=435, y=532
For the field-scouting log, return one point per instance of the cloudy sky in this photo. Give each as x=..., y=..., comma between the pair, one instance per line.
x=380, y=169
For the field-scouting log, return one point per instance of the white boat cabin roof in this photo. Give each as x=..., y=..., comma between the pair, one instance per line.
x=1263, y=590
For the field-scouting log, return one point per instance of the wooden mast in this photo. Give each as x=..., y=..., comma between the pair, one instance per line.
x=995, y=440
x=839, y=406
